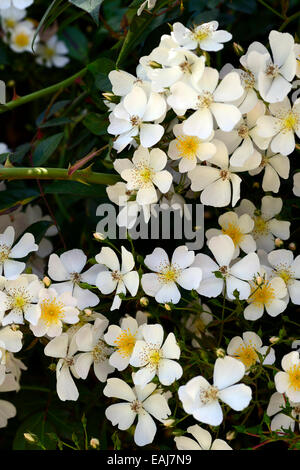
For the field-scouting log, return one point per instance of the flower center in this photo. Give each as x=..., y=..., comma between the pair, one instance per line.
x=75, y=278
x=272, y=70
x=234, y=232
x=243, y=131
x=205, y=100
x=22, y=39
x=49, y=52
x=199, y=325
x=224, y=270
x=208, y=395
x=248, y=79
x=186, y=67
x=262, y=294
x=51, y=311
x=285, y=274
x=101, y=351
x=136, y=406
x=202, y=33
x=260, y=226
x=19, y=298
x=290, y=122
x=125, y=343
x=135, y=121
x=142, y=175
x=294, y=377
x=154, y=356
x=247, y=355
x=116, y=275
x=188, y=146
x=169, y=274
x=225, y=175
x=10, y=23
x=4, y=253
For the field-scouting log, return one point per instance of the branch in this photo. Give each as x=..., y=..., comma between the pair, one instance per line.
x=82, y=176
x=39, y=94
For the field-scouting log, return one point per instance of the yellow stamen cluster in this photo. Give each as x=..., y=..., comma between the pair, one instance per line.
x=261, y=227
x=169, y=274
x=294, y=377
x=262, y=294
x=234, y=232
x=246, y=354
x=290, y=122
x=202, y=33
x=142, y=175
x=22, y=39
x=4, y=253
x=125, y=343
x=188, y=146
x=51, y=311
x=205, y=100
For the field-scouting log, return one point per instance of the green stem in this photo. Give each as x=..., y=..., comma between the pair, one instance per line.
x=288, y=20
x=271, y=9
x=83, y=176
x=41, y=93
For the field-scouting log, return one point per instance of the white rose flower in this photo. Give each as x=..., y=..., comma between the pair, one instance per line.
x=205, y=36
x=288, y=382
x=201, y=399
x=53, y=53
x=22, y=36
x=285, y=266
x=245, y=349
x=281, y=421
x=203, y=440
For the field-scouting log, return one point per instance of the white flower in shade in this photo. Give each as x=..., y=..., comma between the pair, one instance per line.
x=204, y=36
x=275, y=77
x=162, y=284
x=266, y=294
x=34, y=214
x=275, y=166
x=14, y=368
x=297, y=54
x=123, y=82
x=7, y=411
x=245, y=350
x=296, y=187
x=10, y=18
x=117, y=278
x=22, y=36
x=201, y=399
x=285, y=266
x=209, y=99
x=8, y=253
x=67, y=269
x=220, y=186
x=197, y=323
x=123, y=338
x=90, y=340
x=134, y=117
x=238, y=229
x=53, y=53
x=234, y=277
x=203, y=440
x=281, y=126
x=145, y=172
x=168, y=64
x=141, y=402
x=266, y=227
x=240, y=141
x=155, y=357
x=282, y=421
x=288, y=382
x=149, y=4
x=10, y=342
x=21, y=300
x=56, y=309
x=189, y=149
x=20, y=4
x=64, y=347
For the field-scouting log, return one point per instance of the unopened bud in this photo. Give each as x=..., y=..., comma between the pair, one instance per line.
x=94, y=443
x=278, y=242
x=168, y=307
x=10, y=83
x=109, y=96
x=238, y=49
x=168, y=422
x=220, y=352
x=30, y=437
x=99, y=236
x=52, y=367
x=46, y=281
x=255, y=184
x=230, y=435
x=292, y=246
x=154, y=65
x=88, y=312
x=14, y=327
x=144, y=301
x=259, y=280
x=274, y=339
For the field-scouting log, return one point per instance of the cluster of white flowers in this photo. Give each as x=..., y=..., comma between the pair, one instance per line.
x=187, y=123
x=19, y=32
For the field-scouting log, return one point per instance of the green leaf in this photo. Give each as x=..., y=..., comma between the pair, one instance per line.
x=76, y=42
x=46, y=148
x=73, y=187
x=100, y=69
x=95, y=123
x=35, y=424
x=90, y=6
x=13, y=198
